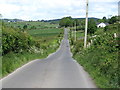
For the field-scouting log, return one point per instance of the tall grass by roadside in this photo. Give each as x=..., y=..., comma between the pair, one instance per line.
x=100, y=60
x=21, y=47
x=12, y=61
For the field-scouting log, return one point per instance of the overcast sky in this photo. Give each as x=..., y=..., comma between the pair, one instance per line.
x=54, y=9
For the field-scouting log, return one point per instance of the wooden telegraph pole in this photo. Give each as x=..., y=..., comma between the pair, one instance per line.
x=75, y=29
x=86, y=25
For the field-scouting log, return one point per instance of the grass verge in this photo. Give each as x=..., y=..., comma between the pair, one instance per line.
x=100, y=60
x=12, y=61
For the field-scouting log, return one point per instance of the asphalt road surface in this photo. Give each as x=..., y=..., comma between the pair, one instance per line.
x=59, y=70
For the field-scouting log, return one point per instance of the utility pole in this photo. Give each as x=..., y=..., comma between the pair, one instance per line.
x=86, y=25
x=75, y=29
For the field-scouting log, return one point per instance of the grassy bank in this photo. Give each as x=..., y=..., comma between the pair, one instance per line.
x=21, y=47
x=100, y=60
x=12, y=61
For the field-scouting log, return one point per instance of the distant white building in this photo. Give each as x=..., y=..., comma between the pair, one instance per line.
x=102, y=25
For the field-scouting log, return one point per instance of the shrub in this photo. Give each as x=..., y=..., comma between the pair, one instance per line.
x=92, y=27
x=15, y=41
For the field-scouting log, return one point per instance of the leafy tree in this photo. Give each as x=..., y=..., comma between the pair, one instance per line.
x=113, y=20
x=76, y=22
x=92, y=26
x=100, y=20
x=66, y=22
x=104, y=19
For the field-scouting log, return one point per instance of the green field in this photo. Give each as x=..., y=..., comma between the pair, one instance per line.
x=38, y=25
x=79, y=34
x=37, y=29
x=45, y=32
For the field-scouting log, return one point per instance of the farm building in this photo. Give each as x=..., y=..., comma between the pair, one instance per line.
x=102, y=24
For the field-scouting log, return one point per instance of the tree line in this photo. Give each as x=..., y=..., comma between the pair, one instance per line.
x=92, y=23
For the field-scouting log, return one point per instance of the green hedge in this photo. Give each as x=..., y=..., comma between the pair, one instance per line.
x=19, y=48
x=15, y=41
x=101, y=59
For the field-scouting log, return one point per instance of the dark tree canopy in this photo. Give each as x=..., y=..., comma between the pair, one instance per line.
x=66, y=22
x=92, y=27
x=113, y=20
x=104, y=19
x=69, y=22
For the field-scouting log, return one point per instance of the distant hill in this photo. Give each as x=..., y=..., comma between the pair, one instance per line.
x=13, y=20
x=57, y=20
x=51, y=21
x=88, y=18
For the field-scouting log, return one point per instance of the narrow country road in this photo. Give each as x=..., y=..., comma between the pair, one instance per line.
x=59, y=70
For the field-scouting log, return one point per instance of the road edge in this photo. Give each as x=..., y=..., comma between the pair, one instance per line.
x=30, y=63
